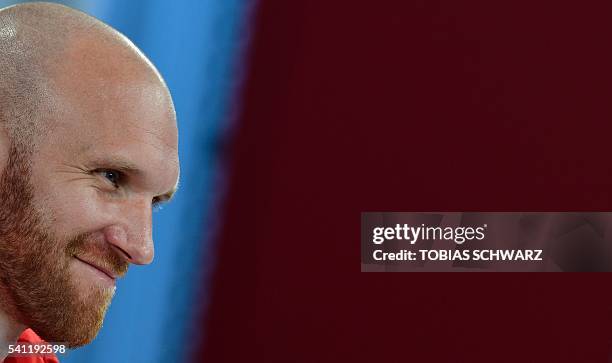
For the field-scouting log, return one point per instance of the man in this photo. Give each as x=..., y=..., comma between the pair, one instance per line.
x=88, y=146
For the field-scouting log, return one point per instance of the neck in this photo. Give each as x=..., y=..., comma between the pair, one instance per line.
x=9, y=333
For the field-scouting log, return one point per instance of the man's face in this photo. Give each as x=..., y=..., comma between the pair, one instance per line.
x=77, y=210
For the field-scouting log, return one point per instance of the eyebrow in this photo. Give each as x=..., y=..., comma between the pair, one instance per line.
x=128, y=167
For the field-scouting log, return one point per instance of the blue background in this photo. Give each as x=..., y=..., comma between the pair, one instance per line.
x=197, y=46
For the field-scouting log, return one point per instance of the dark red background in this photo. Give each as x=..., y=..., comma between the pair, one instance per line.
x=412, y=106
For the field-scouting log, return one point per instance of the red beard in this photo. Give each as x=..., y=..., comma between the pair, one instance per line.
x=36, y=287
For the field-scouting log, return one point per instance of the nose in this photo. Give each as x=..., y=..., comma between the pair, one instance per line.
x=131, y=236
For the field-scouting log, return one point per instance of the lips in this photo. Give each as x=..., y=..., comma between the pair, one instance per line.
x=102, y=269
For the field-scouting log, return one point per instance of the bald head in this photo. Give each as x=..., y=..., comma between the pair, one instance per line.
x=46, y=48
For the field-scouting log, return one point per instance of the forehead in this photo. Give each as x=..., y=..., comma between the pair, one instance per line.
x=109, y=101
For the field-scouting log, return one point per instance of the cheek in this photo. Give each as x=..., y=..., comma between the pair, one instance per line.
x=71, y=211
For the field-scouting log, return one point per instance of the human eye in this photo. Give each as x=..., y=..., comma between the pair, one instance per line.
x=113, y=176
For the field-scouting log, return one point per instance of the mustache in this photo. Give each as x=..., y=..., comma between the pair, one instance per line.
x=99, y=253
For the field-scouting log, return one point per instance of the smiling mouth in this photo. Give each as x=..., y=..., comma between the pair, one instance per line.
x=108, y=273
